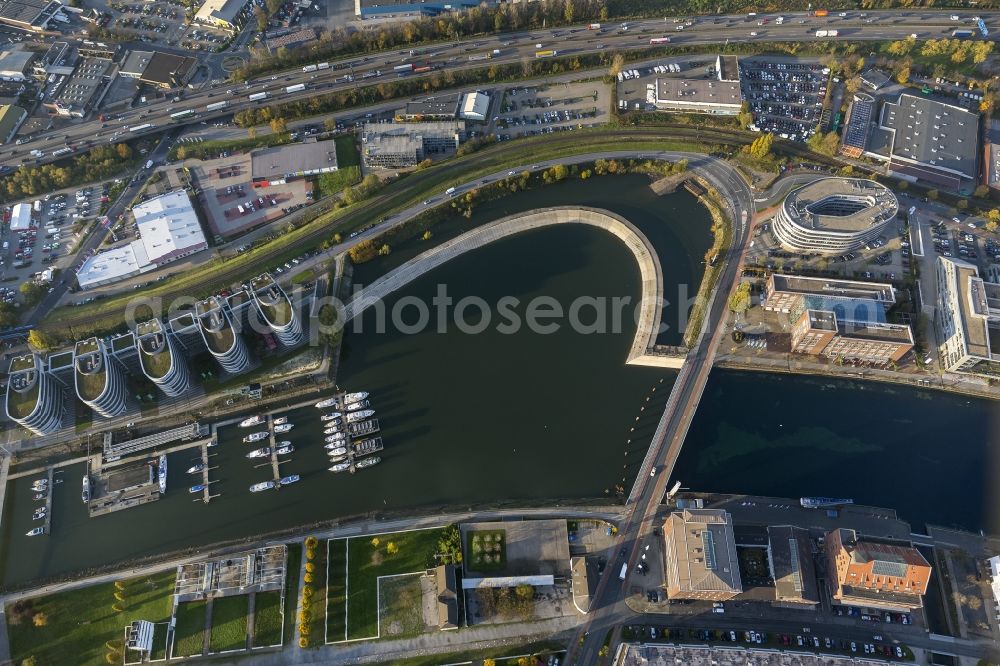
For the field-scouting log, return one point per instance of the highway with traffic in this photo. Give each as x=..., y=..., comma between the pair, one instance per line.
x=357, y=71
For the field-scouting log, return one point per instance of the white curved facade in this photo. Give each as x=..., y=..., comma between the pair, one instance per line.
x=35, y=399
x=276, y=310
x=834, y=215
x=221, y=339
x=100, y=381
x=160, y=360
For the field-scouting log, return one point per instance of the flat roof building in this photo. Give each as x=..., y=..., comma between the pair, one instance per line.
x=858, y=127
x=33, y=15
x=10, y=119
x=720, y=96
x=225, y=14
x=874, y=79
x=875, y=575
x=402, y=145
x=20, y=217
x=474, y=106
x=401, y=10
x=850, y=300
x=994, y=565
x=280, y=164
x=163, y=70
x=168, y=230
x=78, y=95
x=534, y=552
x=700, y=552
x=932, y=140
x=16, y=64
x=435, y=107
x=790, y=559
x=822, y=333
x=60, y=59
x=834, y=215
x=967, y=319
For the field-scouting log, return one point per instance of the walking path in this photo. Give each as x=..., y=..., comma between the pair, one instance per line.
x=298, y=600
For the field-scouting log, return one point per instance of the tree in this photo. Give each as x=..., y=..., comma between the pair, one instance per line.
x=310, y=567
x=40, y=619
x=739, y=302
x=489, y=662
x=375, y=542
x=932, y=195
x=962, y=204
x=40, y=340
x=903, y=75
x=261, y=18
x=427, y=235
x=32, y=292
x=273, y=6
x=617, y=62
x=308, y=578
x=330, y=124
x=761, y=147
x=745, y=116
x=391, y=548
x=981, y=191
x=568, y=11
x=384, y=250
x=278, y=125
x=252, y=132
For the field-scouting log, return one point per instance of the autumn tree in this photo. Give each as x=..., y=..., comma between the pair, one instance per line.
x=739, y=302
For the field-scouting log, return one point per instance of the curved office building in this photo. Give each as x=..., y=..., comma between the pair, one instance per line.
x=222, y=340
x=100, y=381
x=35, y=399
x=160, y=359
x=834, y=215
x=276, y=309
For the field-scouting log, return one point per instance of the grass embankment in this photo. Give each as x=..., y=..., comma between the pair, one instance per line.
x=229, y=623
x=292, y=589
x=212, y=149
x=336, y=590
x=414, y=551
x=348, y=168
x=189, y=630
x=722, y=232
x=77, y=627
x=267, y=619
x=105, y=315
x=317, y=618
x=540, y=649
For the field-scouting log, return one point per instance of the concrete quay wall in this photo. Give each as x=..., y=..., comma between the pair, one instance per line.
x=641, y=351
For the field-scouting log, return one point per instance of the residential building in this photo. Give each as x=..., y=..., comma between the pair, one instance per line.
x=700, y=552
x=931, y=140
x=823, y=333
x=100, y=380
x=277, y=310
x=160, y=359
x=875, y=575
x=967, y=319
x=223, y=341
x=790, y=560
x=834, y=215
x=718, y=96
x=226, y=14
x=36, y=400
x=281, y=164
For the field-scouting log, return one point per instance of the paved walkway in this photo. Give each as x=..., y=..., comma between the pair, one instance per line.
x=441, y=642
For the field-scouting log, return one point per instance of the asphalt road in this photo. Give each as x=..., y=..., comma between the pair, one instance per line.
x=513, y=47
x=97, y=236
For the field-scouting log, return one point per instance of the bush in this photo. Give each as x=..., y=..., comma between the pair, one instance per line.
x=40, y=619
x=303, y=642
x=311, y=541
x=308, y=578
x=310, y=554
x=307, y=592
x=310, y=567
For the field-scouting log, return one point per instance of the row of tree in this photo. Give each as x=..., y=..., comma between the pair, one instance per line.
x=97, y=163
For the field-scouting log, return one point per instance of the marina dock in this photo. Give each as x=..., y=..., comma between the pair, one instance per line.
x=362, y=428
x=366, y=447
x=207, y=482
x=47, y=523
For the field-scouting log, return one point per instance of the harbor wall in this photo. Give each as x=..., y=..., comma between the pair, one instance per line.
x=651, y=274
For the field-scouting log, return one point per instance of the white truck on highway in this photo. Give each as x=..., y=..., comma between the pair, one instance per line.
x=621, y=574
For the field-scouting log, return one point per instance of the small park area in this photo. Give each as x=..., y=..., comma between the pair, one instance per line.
x=86, y=626
x=357, y=563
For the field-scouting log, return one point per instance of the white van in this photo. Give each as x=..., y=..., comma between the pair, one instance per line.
x=450, y=191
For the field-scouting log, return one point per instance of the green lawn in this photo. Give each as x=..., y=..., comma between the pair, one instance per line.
x=366, y=563
x=159, y=643
x=336, y=591
x=400, y=605
x=347, y=151
x=229, y=623
x=267, y=619
x=80, y=622
x=332, y=183
x=189, y=632
x=292, y=589
x=305, y=276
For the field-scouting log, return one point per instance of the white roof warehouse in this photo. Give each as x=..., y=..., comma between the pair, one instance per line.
x=168, y=230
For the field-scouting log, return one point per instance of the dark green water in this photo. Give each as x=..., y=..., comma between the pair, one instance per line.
x=466, y=418
x=931, y=456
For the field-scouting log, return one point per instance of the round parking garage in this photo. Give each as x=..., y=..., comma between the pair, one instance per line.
x=834, y=215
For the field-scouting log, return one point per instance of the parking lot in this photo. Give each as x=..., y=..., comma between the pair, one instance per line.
x=786, y=98
x=535, y=111
x=162, y=23
x=50, y=240
x=231, y=203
